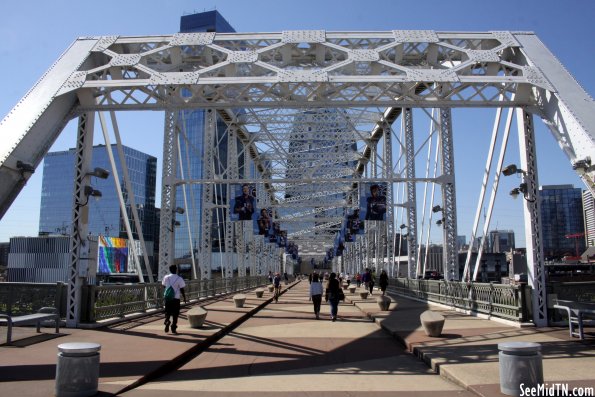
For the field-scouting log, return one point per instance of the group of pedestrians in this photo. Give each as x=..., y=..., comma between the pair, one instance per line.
x=333, y=293
x=368, y=279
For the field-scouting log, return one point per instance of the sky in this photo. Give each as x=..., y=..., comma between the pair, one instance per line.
x=34, y=34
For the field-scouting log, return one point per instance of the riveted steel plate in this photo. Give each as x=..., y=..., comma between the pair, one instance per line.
x=104, y=43
x=76, y=80
x=242, y=57
x=192, y=39
x=415, y=36
x=363, y=55
x=125, y=60
x=297, y=76
x=535, y=77
x=183, y=77
x=483, y=56
x=303, y=36
x=160, y=78
x=433, y=75
x=506, y=38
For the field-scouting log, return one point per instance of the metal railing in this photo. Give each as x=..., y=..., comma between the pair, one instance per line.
x=573, y=291
x=25, y=298
x=511, y=302
x=112, y=301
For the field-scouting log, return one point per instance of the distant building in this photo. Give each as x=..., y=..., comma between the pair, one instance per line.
x=562, y=221
x=105, y=216
x=188, y=233
x=39, y=259
x=492, y=267
x=501, y=241
x=461, y=242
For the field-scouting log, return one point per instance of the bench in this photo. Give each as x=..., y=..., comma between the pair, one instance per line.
x=45, y=313
x=577, y=313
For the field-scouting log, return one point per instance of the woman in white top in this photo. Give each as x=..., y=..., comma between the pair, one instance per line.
x=316, y=294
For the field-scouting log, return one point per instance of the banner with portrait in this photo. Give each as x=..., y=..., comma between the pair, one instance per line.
x=243, y=202
x=373, y=201
x=265, y=222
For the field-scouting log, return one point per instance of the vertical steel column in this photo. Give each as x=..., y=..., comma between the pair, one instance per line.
x=449, y=202
x=411, y=197
x=259, y=253
x=168, y=194
x=232, y=173
x=251, y=256
x=390, y=221
x=532, y=215
x=80, y=215
x=206, y=246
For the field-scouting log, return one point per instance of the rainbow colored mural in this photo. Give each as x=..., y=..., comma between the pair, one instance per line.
x=113, y=255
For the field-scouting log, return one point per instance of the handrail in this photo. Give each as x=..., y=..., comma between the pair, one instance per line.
x=113, y=301
x=497, y=300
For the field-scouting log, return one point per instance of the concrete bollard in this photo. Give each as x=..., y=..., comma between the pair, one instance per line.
x=77, y=372
x=196, y=317
x=383, y=302
x=520, y=363
x=239, y=300
x=259, y=292
x=432, y=322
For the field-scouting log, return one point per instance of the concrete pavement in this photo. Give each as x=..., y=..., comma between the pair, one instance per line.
x=282, y=348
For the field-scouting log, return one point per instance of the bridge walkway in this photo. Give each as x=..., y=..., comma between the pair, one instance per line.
x=269, y=348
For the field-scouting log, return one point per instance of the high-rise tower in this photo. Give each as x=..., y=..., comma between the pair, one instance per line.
x=191, y=154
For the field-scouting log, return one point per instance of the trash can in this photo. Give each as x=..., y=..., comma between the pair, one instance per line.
x=520, y=363
x=77, y=372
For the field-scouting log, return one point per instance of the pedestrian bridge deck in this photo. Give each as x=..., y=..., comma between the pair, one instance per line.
x=268, y=348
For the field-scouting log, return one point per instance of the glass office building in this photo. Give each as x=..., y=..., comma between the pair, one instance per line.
x=187, y=236
x=501, y=241
x=105, y=217
x=562, y=221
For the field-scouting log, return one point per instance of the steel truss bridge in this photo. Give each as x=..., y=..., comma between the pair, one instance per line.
x=312, y=118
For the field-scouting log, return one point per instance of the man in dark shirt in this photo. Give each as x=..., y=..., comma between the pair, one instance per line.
x=376, y=205
x=244, y=205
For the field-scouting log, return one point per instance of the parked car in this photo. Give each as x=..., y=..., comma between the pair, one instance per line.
x=433, y=275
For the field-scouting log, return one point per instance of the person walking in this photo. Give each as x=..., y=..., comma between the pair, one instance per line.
x=383, y=281
x=316, y=294
x=366, y=276
x=172, y=306
x=277, y=286
x=372, y=280
x=332, y=295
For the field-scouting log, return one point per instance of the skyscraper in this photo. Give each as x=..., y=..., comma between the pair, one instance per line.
x=501, y=241
x=105, y=217
x=562, y=221
x=189, y=197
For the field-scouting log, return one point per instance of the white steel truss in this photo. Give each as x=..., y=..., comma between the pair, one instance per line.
x=309, y=110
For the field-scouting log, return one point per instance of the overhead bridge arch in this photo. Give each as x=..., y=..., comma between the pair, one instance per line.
x=364, y=80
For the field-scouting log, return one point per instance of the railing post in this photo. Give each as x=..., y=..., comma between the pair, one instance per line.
x=88, y=294
x=11, y=288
